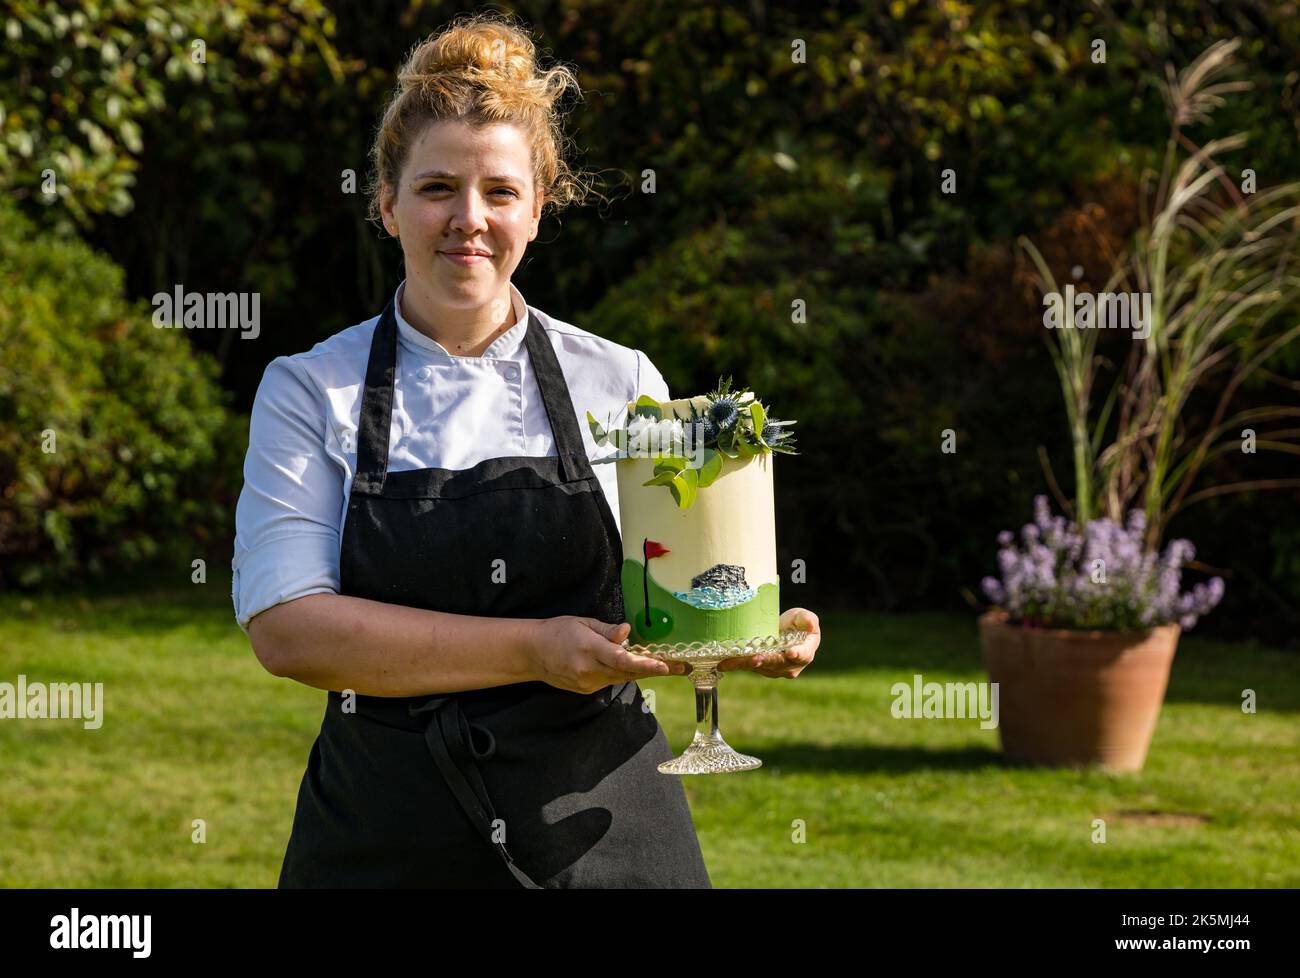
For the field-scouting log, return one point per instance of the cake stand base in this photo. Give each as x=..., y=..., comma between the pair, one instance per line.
x=708, y=753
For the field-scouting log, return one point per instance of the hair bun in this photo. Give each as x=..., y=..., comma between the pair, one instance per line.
x=473, y=52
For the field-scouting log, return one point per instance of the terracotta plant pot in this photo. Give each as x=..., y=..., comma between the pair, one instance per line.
x=1077, y=698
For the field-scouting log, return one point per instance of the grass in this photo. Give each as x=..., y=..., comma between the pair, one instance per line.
x=194, y=729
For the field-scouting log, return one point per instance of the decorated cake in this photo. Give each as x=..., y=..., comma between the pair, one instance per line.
x=697, y=515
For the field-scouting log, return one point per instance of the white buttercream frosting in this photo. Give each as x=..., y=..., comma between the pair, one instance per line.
x=732, y=521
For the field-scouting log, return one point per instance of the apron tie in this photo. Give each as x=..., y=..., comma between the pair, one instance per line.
x=449, y=735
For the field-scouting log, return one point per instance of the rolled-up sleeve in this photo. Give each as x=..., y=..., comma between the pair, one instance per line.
x=287, y=517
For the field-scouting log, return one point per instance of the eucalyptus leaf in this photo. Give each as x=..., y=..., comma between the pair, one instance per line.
x=711, y=468
x=683, y=488
x=648, y=407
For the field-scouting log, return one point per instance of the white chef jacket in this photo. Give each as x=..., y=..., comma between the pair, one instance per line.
x=449, y=412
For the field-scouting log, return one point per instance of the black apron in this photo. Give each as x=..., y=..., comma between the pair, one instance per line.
x=518, y=785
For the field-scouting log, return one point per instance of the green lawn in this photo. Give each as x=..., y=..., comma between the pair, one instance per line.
x=195, y=729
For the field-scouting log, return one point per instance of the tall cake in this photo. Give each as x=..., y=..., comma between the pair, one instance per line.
x=697, y=516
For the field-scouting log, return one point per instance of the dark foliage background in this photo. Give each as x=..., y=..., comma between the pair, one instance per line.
x=776, y=182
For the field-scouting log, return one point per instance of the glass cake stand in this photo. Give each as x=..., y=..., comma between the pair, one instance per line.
x=708, y=753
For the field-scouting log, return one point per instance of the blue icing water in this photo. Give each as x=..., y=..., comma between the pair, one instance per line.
x=714, y=598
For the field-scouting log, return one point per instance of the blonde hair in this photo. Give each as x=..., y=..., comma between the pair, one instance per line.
x=481, y=69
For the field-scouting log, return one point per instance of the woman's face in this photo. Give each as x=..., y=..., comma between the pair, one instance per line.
x=464, y=188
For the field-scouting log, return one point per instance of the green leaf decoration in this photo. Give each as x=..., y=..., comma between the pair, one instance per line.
x=648, y=407
x=666, y=470
x=664, y=478
x=683, y=488
x=597, y=432
x=711, y=468
x=683, y=475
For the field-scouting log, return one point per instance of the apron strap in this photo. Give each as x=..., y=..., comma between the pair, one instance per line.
x=559, y=405
x=447, y=734
x=375, y=424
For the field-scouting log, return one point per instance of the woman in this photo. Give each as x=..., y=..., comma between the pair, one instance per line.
x=422, y=534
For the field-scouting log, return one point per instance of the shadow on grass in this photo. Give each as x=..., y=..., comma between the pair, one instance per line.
x=139, y=616
x=864, y=759
x=943, y=645
x=1206, y=671
x=147, y=601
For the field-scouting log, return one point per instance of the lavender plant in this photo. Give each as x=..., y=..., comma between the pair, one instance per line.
x=1103, y=577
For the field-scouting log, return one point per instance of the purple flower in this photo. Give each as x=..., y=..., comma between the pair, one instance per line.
x=993, y=590
x=1042, y=513
x=1137, y=522
x=1100, y=575
x=1215, y=591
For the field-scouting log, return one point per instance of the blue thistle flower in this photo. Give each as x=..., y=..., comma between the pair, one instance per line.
x=724, y=412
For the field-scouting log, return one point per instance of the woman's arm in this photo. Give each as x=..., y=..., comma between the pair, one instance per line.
x=286, y=574
x=337, y=642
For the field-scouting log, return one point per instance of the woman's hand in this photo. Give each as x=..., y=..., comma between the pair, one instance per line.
x=583, y=655
x=791, y=662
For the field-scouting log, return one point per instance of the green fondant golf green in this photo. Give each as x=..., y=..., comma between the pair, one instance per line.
x=759, y=616
x=661, y=624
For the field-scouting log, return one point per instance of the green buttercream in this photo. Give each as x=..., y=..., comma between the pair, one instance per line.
x=759, y=616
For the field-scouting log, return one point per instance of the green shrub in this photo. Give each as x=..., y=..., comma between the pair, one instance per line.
x=142, y=444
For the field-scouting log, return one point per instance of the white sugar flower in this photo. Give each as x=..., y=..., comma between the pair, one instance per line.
x=669, y=433
x=637, y=426
x=648, y=437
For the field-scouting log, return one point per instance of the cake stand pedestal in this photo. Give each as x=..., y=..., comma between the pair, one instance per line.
x=708, y=753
